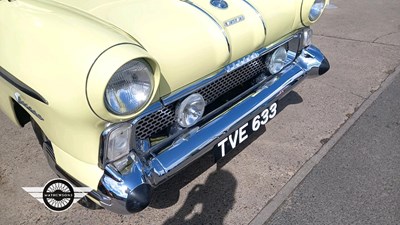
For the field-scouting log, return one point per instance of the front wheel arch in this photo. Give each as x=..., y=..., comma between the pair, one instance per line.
x=21, y=114
x=46, y=145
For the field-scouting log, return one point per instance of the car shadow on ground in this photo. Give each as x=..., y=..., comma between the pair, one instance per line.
x=292, y=98
x=206, y=203
x=216, y=196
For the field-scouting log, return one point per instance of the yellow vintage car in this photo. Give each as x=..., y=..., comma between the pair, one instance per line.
x=124, y=94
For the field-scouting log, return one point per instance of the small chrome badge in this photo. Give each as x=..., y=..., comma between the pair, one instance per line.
x=239, y=63
x=20, y=101
x=233, y=21
x=219, y=4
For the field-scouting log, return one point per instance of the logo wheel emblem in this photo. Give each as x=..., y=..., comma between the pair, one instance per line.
x=58, y=195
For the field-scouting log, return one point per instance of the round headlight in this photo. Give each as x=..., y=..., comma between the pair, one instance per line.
x=190, y=110
x=316, y=9
x=276, y=62
x=130, y=88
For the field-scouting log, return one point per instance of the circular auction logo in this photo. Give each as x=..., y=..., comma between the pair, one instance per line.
x=58, y=195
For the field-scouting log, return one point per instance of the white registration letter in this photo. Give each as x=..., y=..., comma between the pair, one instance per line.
x=234, y=140
x=222, y=146
x=242, y=133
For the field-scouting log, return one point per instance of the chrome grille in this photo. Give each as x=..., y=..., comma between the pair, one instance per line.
x=163, y=118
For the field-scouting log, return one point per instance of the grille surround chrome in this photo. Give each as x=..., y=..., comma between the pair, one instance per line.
x=165, y=117
x=210, y=89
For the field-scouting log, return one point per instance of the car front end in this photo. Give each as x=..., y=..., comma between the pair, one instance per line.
x=159, y=145
x=149, y=87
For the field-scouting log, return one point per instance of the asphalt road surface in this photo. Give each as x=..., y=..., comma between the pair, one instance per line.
x=358, y=181
x=360, y=38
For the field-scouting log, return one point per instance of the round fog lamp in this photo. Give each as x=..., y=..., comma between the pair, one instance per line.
x=190, y=110
x=276, y=62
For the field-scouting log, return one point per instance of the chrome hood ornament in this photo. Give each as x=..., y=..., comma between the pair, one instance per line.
x=219, y=4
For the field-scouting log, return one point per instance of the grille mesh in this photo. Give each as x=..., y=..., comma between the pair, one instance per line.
x=155, y=122
x=159, y=120
x=232, y=80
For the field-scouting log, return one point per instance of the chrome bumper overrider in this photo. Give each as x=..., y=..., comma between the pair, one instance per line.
x=130, y=191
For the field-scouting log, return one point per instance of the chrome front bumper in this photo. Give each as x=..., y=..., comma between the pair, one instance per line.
x=130, y=191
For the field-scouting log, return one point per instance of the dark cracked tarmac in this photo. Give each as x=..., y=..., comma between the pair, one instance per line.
x=358, y=181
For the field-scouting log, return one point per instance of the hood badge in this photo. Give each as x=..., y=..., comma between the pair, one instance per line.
x=219, y=4
x=234, y=20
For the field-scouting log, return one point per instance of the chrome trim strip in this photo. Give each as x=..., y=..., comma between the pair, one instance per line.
x=21, y=86
x=261, y=18
x=216, y=22
x=180, y=93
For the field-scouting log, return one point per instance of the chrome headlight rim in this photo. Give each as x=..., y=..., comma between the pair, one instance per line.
x=316, y=10
x=149, y=94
